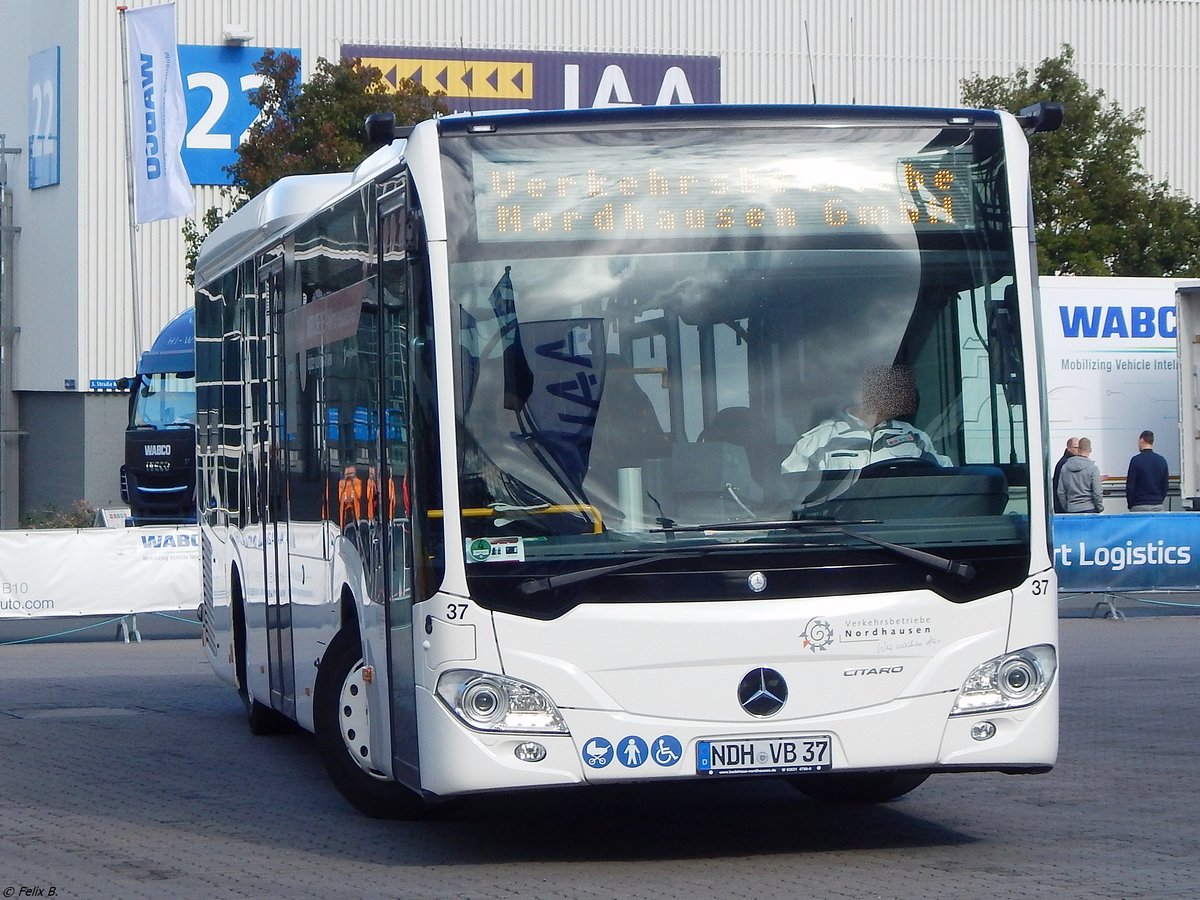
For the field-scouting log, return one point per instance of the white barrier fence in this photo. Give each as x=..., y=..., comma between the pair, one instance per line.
x=98, y=571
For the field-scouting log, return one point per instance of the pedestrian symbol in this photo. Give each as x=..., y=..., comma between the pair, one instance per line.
x=631, y=751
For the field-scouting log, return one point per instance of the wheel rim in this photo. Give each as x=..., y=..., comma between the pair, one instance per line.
x=354, y=721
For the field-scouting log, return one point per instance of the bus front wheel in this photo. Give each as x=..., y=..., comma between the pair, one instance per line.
x=858, y=787
x=342, y=719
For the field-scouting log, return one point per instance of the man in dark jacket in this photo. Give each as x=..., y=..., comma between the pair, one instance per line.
x=1146, y=483
x=1079, y=482
x=1072, y=449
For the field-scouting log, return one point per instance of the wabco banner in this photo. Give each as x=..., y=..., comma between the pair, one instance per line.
x=1111, y=368
x=1128, y=552
x=157, y=115
x=98, y=571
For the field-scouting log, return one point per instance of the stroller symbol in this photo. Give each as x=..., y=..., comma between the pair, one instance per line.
x=597, y=753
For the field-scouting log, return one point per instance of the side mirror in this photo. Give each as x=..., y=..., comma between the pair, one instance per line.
x=1043, y=116
x=123, y=384
x=380, y=129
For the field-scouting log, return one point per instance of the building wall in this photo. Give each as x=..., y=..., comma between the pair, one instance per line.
x=52, y=454
x=104, y=418
x=73, y=297
x=74, y=449
x=48, y=267
x=913, y=52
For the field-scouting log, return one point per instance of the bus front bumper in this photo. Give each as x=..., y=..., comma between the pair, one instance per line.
x=606, y=747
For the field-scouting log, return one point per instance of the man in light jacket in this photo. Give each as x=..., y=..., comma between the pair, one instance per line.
x=1069, y=453
x=1079, y=483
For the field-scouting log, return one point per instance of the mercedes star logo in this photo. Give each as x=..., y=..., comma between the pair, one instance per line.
x=762, y=692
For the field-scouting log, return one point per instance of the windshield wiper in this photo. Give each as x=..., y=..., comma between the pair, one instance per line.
x=961, y=570
x=964, y=571
x=532, y=586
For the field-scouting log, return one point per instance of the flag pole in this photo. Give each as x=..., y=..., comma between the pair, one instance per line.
x=134, y=262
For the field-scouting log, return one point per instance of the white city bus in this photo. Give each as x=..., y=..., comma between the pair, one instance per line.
x=492, y=438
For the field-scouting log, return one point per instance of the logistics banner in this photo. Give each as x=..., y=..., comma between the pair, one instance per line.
x=98, y=571
x=1127, y=552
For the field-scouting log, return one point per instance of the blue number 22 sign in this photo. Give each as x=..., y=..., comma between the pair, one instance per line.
x=217, y=82
x=45, y=78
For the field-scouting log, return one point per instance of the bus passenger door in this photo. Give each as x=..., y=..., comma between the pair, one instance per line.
x=392, y=515
x=273, y=493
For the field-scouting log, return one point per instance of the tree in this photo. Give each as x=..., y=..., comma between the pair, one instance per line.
x=195, y=232
x=1098, y=212
x=317, y=126
x=309, y=128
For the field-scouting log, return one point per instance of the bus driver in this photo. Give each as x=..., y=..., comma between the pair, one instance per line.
x=872, y=431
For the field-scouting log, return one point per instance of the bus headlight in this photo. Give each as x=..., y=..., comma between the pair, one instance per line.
x=1007, y=682
x=488, y=702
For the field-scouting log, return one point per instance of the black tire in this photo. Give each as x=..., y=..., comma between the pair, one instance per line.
x=344, y=744
x=262, y=719
x=858, y=787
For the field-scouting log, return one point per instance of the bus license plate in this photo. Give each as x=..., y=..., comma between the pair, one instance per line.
x=779, y=756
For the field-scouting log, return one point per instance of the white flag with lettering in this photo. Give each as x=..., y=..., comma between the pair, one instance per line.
x=157, y=115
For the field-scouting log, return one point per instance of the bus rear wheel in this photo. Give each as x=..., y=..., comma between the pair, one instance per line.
x=858, y=787
x=341, y=716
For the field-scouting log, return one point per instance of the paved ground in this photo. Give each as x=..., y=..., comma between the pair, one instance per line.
x=127, y=771
x=180, y=623
x=1129, y=605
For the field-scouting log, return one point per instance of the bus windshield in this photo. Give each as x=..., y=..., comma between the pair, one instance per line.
x=748, y=347
x=164, y=400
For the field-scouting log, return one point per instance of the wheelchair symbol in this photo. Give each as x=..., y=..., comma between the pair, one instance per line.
x=667, y=751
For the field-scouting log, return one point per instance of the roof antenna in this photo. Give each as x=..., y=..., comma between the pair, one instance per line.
x=470, y=99
x=853, y=63
x=808, y=47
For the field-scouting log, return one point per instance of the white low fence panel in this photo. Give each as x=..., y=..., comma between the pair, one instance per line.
x=99, y=571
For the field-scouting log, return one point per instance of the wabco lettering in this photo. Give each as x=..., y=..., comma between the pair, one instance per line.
x=153, y=147
x=165, y=541
x=1116, y=321
x=158, y=450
